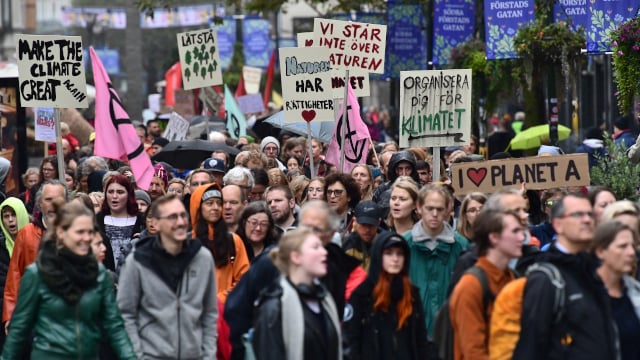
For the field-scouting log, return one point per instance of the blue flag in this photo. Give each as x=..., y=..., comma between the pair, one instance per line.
x=453, y=24
x=236, y=123
x=604, y=17
x=502, y=21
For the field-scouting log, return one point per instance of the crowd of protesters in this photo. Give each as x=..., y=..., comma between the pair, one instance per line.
x=249, y=256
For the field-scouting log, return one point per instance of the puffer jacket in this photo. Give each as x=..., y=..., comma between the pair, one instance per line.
x=63, y=331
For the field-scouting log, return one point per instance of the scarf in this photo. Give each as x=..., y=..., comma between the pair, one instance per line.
x=66, y=274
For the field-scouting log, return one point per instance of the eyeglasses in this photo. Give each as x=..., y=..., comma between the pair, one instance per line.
x=337, y=193
x=316, y=190
x=473, y=210
x=174, y=217
x=579, y=214
x=256, y=223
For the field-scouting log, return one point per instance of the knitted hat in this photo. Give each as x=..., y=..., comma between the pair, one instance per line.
x=212, y=193
x=269, y=140
x=142, y=195
x=547, y=149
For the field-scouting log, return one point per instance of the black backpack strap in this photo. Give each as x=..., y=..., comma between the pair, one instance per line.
x=487, y=295
x=556, y=279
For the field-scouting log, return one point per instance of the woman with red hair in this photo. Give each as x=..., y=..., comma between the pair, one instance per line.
x=119, y=219
x=384, y=318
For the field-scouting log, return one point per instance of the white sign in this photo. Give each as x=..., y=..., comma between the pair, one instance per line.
x=306, y=84
x=305, y=39
x=252, y=77
x=45, y=123
x=199, y=58
x=51, y=71
x=251, y=104
x=354, y=46
x=177, y=128
x=435, y=108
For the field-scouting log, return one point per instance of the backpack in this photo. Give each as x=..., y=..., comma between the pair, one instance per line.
x=504, y=331
x=442, y=328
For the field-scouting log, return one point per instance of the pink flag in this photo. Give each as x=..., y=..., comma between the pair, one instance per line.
x=356, y=140
x=116, y=138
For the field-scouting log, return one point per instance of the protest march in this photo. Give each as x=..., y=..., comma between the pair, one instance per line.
x=451, y=180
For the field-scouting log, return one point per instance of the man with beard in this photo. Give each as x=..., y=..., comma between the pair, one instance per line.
x=159, y=182
x=281, y=203
x=234, y=202
x=27, y=242
x=153, y=128
x=366, y=224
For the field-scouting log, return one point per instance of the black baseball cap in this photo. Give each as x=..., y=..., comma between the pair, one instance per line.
x=368, y=212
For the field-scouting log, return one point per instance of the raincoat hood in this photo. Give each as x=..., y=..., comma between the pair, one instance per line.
x=196, y=203
x=379, y=243
x=22, y=219
x=396, y=159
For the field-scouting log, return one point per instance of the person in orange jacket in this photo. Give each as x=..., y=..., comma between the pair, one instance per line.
x=227, y=248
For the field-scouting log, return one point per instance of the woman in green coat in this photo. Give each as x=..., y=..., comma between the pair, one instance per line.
x=66, y=299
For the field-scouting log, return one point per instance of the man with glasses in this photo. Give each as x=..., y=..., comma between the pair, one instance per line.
x=167, y=290
x=270, y=146
x=585, y=329
x=344, y=274
x=434, y=250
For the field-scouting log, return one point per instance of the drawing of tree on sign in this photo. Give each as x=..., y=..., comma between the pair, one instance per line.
x=206, y=57
x=187, y=58
x=212, y=50
x=215, y=65
x=203, y=72
x=196, y=53
x=196, y=68
x=203, y=50
x=210, y=69
x=187, y=74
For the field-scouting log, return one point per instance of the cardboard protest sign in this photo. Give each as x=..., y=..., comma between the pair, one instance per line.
x=435, y=108
x=252, y=77
x=177, y=128
x=51, y=71
x=305, y=39
x=250, y=104
x=184, y=103
x=200, y=58
x=45, y=124
x=306, y=84
x=359, y=47
x=540, y=172
x=211, y=99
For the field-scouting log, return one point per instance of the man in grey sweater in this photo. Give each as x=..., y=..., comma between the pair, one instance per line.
x=167, y=290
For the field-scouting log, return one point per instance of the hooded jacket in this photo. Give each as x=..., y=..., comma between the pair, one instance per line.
x=587, y=324
x=368, y=333
x=594, y=148
x=25, y=252
x=165, y=322
x=382, y=195
x=227, y=275
x=22, y=220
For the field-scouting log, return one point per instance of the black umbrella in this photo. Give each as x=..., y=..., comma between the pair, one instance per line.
x=189, y=154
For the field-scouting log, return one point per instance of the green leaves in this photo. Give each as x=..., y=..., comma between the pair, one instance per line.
x=615, y=171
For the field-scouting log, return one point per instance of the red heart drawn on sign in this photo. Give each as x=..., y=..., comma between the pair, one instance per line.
x=308, y=115
x=476, y=175
x=308, y=42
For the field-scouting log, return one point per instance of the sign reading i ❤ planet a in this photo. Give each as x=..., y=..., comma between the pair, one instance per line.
x=306, y=84
x=538, y=173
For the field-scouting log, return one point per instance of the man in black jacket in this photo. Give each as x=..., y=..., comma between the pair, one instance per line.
x=586, y=329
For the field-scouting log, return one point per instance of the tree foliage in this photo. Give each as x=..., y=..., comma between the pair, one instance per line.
x=617, y=172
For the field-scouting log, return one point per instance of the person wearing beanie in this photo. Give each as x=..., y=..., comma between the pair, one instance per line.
x=157, y=145
x=593, y=145
x=548, y=150
x=622, y=135
x=270, y=146
x=143, y=200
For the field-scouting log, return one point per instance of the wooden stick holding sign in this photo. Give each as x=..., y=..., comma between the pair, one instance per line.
x=59, y=153
x=310, y=138
x=538, y=172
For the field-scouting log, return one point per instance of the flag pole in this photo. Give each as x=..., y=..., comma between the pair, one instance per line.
x=59, y=145
x=345, y=118
x=375, y=153
x=311, y=167
x=436, y=164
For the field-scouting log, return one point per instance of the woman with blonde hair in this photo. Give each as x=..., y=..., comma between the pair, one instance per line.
x=402, y=205
x=469, y=209
x=363, y=175
x=277, y=177
x=316, y=189
x=297, y=317
x=297, y=186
